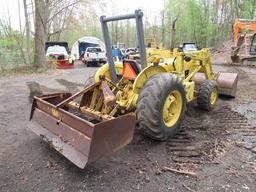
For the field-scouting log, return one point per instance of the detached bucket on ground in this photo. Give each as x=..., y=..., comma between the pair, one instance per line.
x=80, y=131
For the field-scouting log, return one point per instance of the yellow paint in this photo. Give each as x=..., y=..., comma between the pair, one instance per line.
x=144, y=75
x=172, y=108
x=163, y=54
x=190, y=89
x=214, y=96
x=104, y=70
x=127, y=91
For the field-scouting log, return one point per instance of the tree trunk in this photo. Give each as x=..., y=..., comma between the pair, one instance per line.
x=169, y=28
x=27, y=24
x=163, y=28
x=237, y=8
x=116, y=32
x=39, y=59
x=128, y=33
x=19, y=16
x=253, y=9
x=173, y=33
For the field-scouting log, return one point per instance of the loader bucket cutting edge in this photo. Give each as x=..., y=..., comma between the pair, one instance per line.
x=227, y=82
x=76, y=138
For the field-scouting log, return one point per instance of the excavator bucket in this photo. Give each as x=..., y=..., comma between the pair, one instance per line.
x=78, y=126
x=227, y=82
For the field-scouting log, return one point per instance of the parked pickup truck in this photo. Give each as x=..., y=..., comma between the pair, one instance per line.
x=94, y=56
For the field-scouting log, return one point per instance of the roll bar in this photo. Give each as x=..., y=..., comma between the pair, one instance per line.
x=137, y=15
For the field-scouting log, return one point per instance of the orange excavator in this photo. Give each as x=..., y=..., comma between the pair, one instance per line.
x=244, y=37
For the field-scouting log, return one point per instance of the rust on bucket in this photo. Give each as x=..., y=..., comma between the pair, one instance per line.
x=81, y=131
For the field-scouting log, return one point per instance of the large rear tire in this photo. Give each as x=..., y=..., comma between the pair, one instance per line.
x=161, y=106
x=207, y=95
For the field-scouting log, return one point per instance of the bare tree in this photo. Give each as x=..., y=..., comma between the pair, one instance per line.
x=27, y=27
x=173, y=33
x=40, y=20
x=128, y=31
x=6, y=28
x=50, y=19
x=19, y=16
x=163, y=23
x=57, y=13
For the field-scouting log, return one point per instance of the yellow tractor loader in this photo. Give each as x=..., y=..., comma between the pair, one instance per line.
x=101, y=118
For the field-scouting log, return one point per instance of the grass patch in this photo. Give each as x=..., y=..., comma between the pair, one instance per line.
x=25, y=70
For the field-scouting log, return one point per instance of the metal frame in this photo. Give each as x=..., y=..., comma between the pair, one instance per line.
x=137, y=15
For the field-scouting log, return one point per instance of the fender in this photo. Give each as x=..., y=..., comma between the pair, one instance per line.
x=104, y=70
x=144, y=75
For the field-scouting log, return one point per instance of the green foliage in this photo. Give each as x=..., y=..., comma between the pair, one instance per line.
x=206, y=22
x=12, y=51
x=7, y=42
x=247, y=9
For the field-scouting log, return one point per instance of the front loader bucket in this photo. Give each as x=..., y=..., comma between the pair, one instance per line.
x=79, y=137
x=227, y=82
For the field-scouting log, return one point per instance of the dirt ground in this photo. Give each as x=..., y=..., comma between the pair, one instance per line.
x=217, y=149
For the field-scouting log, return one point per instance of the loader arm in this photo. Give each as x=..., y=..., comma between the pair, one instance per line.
x=227, y=82
x=207, y=64
x=200, y=62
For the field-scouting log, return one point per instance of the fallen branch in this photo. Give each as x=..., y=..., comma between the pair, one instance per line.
x=188, y=188
x=250, y=163
x=243, y=144
x=244, y=130
x=179, y=171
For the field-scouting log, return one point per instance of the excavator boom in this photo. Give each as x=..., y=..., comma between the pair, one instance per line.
x=242, y=24
x=244, y=42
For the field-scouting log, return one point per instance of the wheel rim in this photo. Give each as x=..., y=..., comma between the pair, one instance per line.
x=172, y=108
x=214, y=96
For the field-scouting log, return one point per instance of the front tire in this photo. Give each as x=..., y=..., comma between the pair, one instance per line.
x=207, y=95
x=161, y=106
